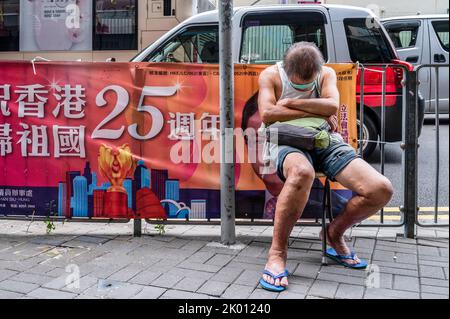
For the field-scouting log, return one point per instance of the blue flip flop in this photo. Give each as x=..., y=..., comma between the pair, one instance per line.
x=270, y=287
x=331, y=253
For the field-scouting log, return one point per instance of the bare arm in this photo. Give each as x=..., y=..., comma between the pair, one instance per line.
x=269, y=109
x=327, y=105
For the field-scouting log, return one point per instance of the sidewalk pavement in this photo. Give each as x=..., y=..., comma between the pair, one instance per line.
x=188, y=262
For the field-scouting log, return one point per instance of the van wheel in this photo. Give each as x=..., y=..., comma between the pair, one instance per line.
x=370, y=136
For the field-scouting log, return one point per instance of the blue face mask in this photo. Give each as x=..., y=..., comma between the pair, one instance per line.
x=304, y=87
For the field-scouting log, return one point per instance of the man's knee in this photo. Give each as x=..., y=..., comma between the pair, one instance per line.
x=300, y=175
x=379, y=192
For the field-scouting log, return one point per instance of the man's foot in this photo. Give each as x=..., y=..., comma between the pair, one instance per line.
x=276, y=264
x=337, y=242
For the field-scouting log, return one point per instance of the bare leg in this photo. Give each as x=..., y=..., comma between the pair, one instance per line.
x=373, y=191
x=291, y=202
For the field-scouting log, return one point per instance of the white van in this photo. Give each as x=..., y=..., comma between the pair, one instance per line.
x=263, y=33
x=424, y=40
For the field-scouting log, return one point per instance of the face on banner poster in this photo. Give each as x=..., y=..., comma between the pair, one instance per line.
x=137, y=140
x=48, y=25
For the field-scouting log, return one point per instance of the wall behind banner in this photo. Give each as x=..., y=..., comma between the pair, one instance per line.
x=136, y=140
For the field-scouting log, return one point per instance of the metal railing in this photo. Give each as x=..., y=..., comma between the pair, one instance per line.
x=411, y=122
x=436, y=68
x=411, y=117
x=364, y=70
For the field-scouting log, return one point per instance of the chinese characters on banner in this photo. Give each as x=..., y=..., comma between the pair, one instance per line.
x=135, y=140
x=33, y=139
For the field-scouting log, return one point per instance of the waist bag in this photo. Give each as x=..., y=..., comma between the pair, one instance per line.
x=305, y=133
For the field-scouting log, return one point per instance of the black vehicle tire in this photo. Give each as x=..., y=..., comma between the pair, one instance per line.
x=370, y=135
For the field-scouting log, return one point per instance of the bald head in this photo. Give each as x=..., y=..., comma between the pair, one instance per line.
x=304, y=60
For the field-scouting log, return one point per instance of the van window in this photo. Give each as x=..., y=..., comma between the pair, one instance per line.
x=404, y=35
x=267, y=36
x=441, y=29
x=367, y=41
x=194, y=45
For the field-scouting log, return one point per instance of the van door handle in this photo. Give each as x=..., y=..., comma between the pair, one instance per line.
x=412, y=59
x=439, y=58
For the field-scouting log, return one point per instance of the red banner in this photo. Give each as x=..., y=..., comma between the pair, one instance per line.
x=134, y=140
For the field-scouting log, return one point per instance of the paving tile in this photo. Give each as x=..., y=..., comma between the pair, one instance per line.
x=108, y=289
x=339, y=270
x=347, y=279
x=444, y=252
x=167, y=281
x=40, y=269
x=237, y=291
x=433, y=263
x=434, y=282
x=307, y=270
x=263, y=294
x=93, y=239
x=193, y=245
x=386, y=281
x=349, y=292
x=189, y=284
x=314, y=297
x=249, y=278
x=150, y=293
x=406, y=283
x=399, y=271
x=43, y=293
x=433, y=243
x=433, y=296
x=6, y=273
x=199, y=266
x=38, y=279
x=432, y=272
x=145, y=277
x=427, y=250
x=66, y=283
x=246, y=266
x=227, y=274
x=260, y=261
x=189, y=273
x=219, y=260
x=442, y=259
x=17, y=286
x=380, y=293
x=55, y=272
x=288, y=294
x=214, y=288
x=126, y=273
x=434, y=290
x=325, y=289
x=125, y=292
x=406, y=258
x=299, y=286
x=365, y=243
x=395, y=265
x=104, y=271
x=178, y=294
x=9, y=295
x=201, y=257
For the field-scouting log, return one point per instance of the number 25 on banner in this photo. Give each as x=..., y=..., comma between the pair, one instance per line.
x=123, y=99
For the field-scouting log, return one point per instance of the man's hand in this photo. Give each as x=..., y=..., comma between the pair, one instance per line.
x=333, y=121
x=284, y=103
